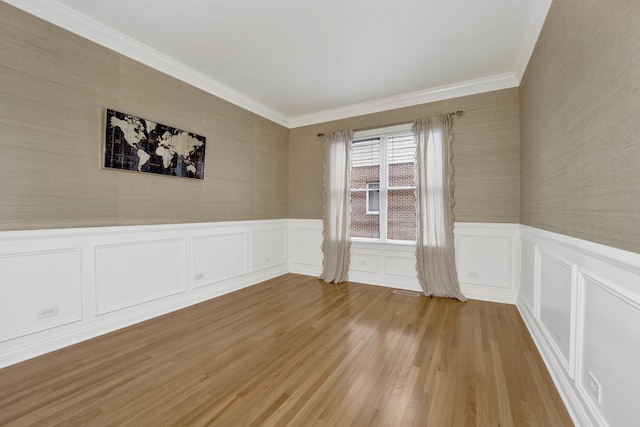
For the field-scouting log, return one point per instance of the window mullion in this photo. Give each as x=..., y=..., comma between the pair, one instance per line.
x=384, y=181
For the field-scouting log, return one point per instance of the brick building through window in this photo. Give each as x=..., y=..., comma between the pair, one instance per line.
x=382, y=177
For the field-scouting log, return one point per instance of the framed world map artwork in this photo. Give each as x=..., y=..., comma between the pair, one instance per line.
x=140, y=145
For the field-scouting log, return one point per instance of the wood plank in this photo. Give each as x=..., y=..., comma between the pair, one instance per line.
x=296, y=351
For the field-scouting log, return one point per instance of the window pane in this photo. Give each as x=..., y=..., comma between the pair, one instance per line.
x=365, y=176
x=401, y=221
x=363, y=224
x=365, y=162
x=401, y=155
x=373, y=197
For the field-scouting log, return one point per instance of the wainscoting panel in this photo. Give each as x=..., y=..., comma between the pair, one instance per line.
x=133, y=273
x=610, y=352
x=400, y=265
x=40, y=290
x=478, y=263
x=59, y=287
x=305, y=246
x=487, y=260
x=269, y=248
x=555, y=290
x=219, y=257
x=584, y=320
x=365, y=262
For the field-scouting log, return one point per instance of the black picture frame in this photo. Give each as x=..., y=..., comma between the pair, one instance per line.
x=140, y=145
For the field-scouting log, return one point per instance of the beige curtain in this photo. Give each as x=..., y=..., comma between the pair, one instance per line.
x=435, y=250
x=337, y=181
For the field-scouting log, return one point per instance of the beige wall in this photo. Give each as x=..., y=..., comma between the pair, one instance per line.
x=580, y=124
x=486, y=156
x=54, y=89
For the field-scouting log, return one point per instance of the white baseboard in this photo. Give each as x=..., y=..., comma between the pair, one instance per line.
x=83, y=333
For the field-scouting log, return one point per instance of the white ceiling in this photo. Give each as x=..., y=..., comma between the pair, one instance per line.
x=306, y=61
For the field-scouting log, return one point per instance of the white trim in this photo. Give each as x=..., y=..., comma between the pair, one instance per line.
x=538, y=10
x=619, y=258
x=469, y=87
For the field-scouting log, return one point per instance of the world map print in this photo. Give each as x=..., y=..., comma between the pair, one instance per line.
x=136, y=144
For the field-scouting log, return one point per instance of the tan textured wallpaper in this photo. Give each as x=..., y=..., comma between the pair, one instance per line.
x=54, y=89
x=486, y=156
x=580, y=124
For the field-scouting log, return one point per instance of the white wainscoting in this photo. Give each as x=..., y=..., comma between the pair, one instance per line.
x=580, y=300
x=581, y=303
x=487, y=259
x=59, y=287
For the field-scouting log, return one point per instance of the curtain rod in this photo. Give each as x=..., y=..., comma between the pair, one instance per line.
x=451, y=114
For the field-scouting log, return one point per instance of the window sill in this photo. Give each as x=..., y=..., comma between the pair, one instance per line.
x=391, y=245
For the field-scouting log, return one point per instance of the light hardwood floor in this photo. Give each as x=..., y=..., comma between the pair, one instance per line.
x=296, y=351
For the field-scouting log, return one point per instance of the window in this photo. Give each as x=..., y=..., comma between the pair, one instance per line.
x=383, y=203
x=373, y=198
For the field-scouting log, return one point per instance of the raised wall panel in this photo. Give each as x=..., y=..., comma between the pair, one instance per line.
x=401, y=265
x=37, y=281
x=306, y=246
x=610, y=348
x=133, y=273
x=484, y=260
x=369, y=263
x=219, y=257
x=556, y=282
x=268, y=248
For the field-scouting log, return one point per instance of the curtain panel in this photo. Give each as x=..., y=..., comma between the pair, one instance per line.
x=435, y=251
x=336, y=244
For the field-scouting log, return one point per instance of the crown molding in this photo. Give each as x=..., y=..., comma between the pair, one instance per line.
x=84, y=26
x=538, y=10
x=469, y=87
x=63, y=16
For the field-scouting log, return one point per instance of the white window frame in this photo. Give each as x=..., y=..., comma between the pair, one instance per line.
x=383, y=134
